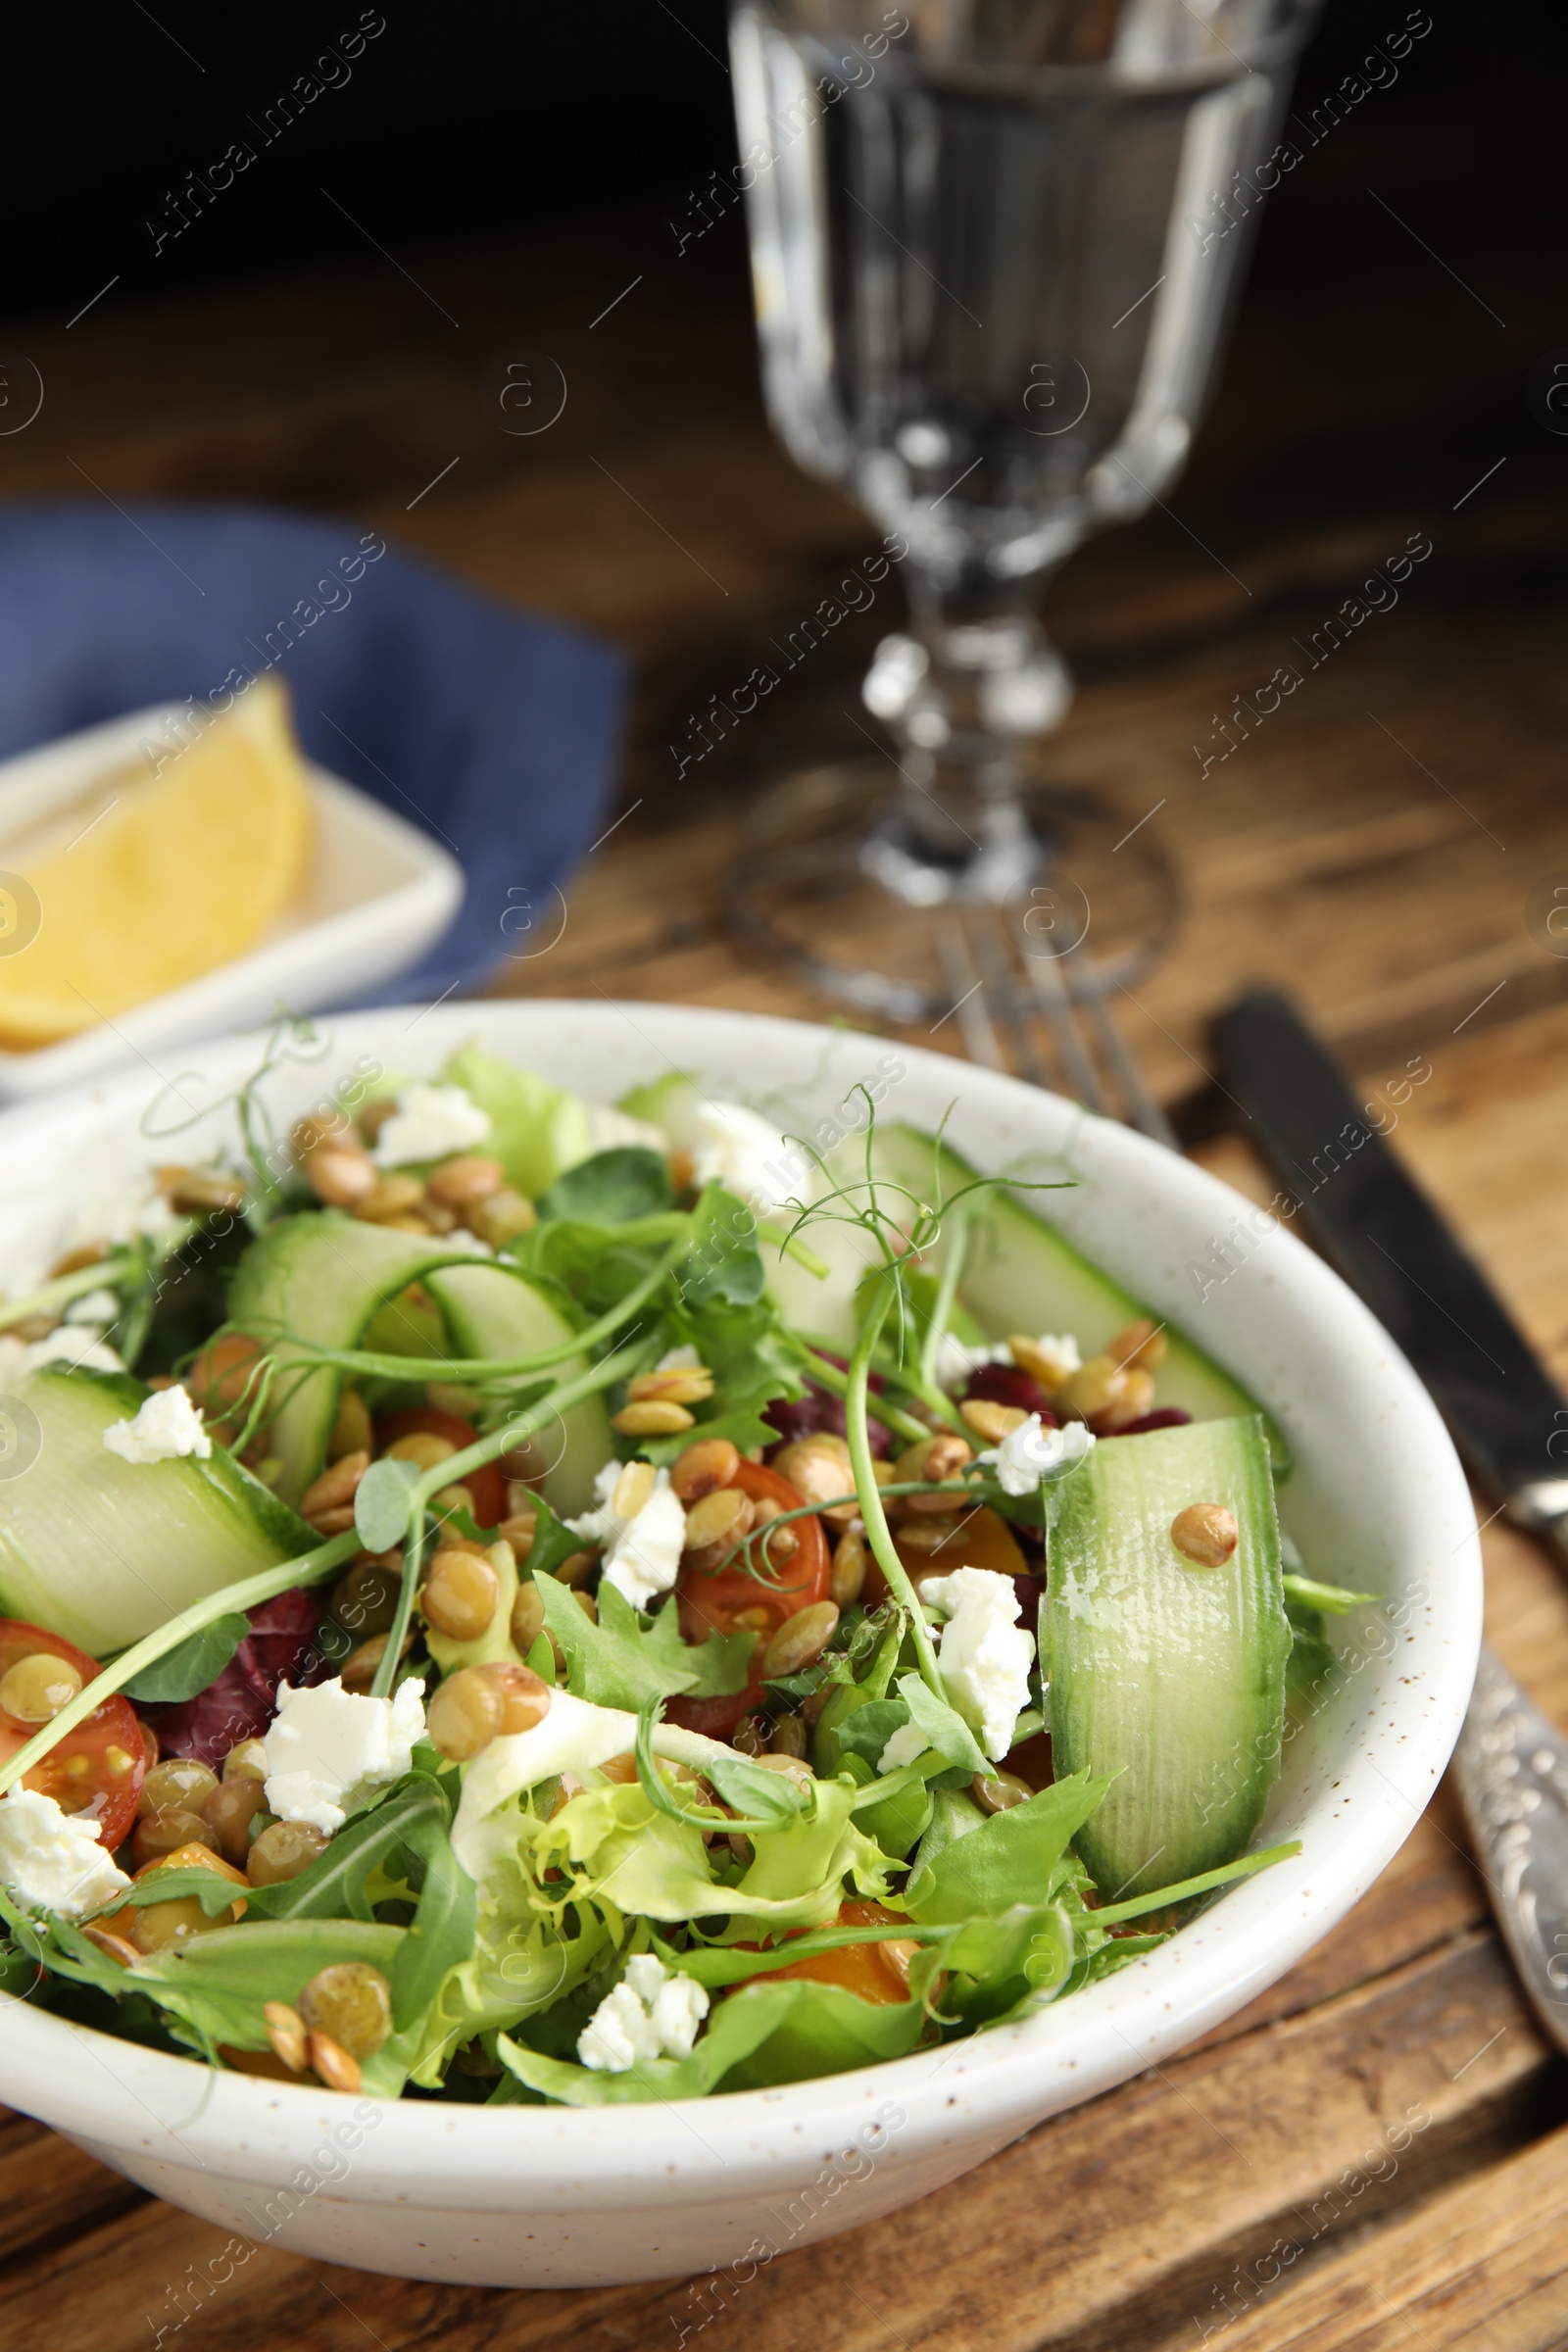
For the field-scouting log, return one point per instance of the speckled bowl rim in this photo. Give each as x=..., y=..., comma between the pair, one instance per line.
x=1377, y=1490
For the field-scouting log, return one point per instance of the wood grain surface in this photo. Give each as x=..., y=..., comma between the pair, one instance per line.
x=1376, y=2152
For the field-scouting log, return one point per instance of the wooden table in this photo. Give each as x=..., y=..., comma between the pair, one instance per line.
x=1381, y=867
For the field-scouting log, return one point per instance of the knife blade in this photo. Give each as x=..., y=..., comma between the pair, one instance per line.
x=1382, y=1233
x=1374, y=1223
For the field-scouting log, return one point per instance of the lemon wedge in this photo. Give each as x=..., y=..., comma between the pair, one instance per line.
x=177, y=872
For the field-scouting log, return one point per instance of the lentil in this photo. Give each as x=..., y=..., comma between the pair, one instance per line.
x=1205, y=1533
x=351, y=2002
x=179, y=1783
x=466, y=1180
x=282, y=1851
x=461, y=1595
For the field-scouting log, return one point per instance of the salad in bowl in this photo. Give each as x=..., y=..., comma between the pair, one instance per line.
x=510, y=1600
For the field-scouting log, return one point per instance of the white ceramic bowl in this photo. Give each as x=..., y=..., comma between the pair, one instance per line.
x=556, y=2197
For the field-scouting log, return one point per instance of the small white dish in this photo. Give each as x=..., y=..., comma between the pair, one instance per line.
x=378, y=892
x=549, y=2196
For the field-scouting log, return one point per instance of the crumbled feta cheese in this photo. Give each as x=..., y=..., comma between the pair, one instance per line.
x=679, y=1359
x=431, y=1122
x=619, y=2033
x=735, y=1147
x=642, y=1554
x=82, y=1350
x=983, y=1653
x=649, y=2014
x=127, y=1213
x=1032, y=1452
x=905, y=1743
x=98, y=1306
x=328, y=1749
x=603, y=1524
x=956, y=1361
x=52, y=1860
x=470, y=1244
x=167, y=1426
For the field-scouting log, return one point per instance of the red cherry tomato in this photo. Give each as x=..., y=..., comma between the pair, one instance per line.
x=487, y=1486
x=99, y=1767
x=731, y=1601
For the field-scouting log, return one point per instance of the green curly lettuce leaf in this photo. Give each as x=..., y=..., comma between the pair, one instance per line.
x=762, y=2035
x=620, y=1662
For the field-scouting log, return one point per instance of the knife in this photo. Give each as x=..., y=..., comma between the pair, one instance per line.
x=1505, y=1416
x=1373, y=1223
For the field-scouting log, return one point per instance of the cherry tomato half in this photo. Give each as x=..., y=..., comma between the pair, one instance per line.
x=99, y=1767
x=982, y=1540
x=487, y=1486
x=731, y=1601
x=876, y=1971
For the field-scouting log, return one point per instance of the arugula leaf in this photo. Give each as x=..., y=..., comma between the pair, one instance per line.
x=591, y=1266
x=943, y=1727
x=762, y=1795
x=1033, y=1940
x=186, y=1671
x=1011, y=1858
x=762, y=2035
x=852, y=1697
x=553, y=1542
x=611, y=1188
x=725, y=1262
x=753, y=1362
x=764, y=1800
x=208, y=1888
x=216, y=1984
x=954, y=1815
x=440, y=1936
x=617, y=1663
x=900, y=1814
x=414, y=1813
x=869, y=1729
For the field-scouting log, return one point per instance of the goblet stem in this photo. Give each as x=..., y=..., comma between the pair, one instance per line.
x=971, y=682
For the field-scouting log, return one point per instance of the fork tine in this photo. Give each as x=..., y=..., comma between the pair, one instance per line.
x=968, y=998
x=1001, y=986
x=1051, y=995
x=1143, y=1111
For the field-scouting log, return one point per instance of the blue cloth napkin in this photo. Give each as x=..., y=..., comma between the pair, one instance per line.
x=494, y=731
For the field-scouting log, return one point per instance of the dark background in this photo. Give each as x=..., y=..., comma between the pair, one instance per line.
x=474, y=125
x=470, y=118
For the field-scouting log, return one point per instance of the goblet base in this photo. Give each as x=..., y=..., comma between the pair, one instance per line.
x=861, y=894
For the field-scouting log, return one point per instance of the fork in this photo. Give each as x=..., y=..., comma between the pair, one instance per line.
x=996, y=986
